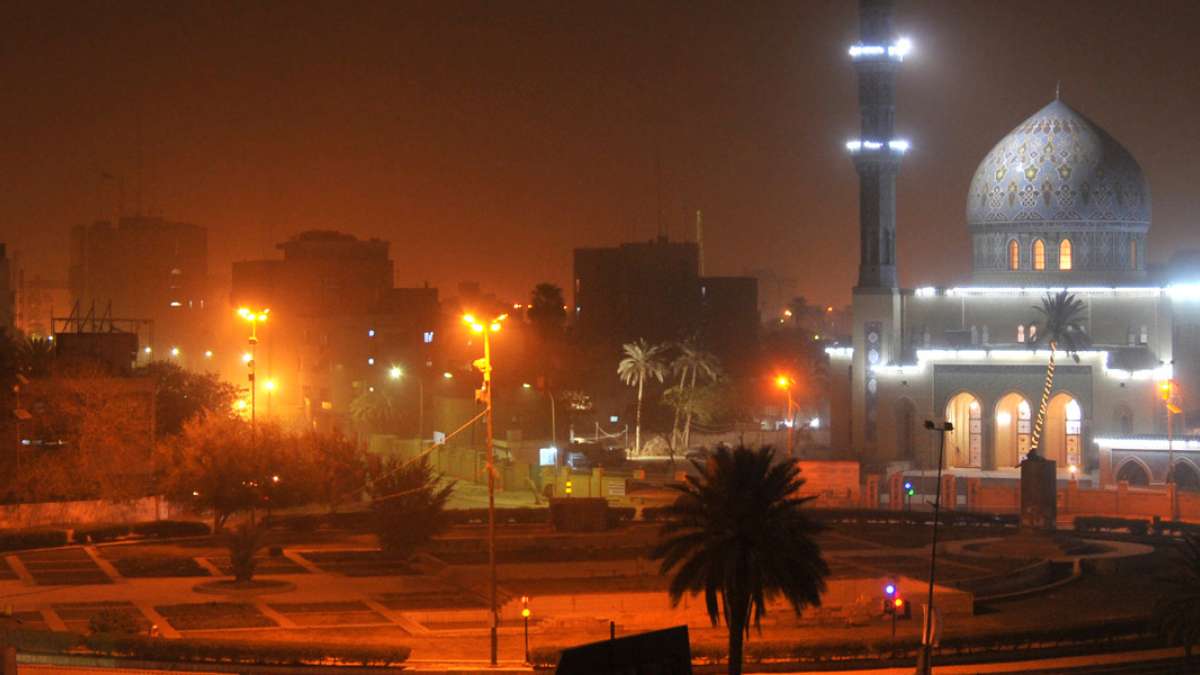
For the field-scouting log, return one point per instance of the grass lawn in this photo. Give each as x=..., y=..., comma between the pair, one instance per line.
x=159, y=566
x=202, y=615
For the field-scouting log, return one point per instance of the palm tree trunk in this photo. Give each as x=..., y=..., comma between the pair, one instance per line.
x=736, y=618
x=1035, y=445
x=637, y=434
x=687, y=425
x=675, y=424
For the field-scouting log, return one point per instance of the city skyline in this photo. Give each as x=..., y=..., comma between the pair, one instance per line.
x=505, y=138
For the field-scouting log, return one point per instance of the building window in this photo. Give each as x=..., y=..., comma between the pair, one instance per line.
x=1064, y=255
x=1133, y=261
x=1033, y=332
x=1021, y=333
x=1014, y=255
x=1039, y=255
x=1143, y=335
x=428, y=336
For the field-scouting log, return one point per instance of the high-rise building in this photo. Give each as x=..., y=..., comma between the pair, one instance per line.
x=653, y=291
x=8, y=306
x=148, y=269
x=337, y=325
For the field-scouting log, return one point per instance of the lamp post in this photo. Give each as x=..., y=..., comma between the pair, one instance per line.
x=785, y=383
x=1166, y=390
x=924, y=666
x=255, y=318
x=525, y=615
x=484, y=395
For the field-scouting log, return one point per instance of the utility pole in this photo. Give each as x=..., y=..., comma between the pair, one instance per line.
x=924, y=665
x=484, y=395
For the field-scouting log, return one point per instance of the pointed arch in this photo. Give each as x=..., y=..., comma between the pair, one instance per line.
x=1134, y=472
x=1014, y=255
x=964, y=445
x=1064, y=255
x=1039, y=254
x=1186, y=475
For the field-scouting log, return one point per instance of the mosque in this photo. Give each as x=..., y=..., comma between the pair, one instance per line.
x=1057, y=203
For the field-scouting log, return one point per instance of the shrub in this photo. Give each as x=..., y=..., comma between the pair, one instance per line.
x=114, y=622
x=409, y=506
x=94, y=534
x=15, y=540
x=244, y=544
x=171, y=528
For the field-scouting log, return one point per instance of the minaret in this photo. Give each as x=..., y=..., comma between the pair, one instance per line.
x=877, y=152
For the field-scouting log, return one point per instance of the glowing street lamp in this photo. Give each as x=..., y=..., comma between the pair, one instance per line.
x=484, y=395
x=394, y=372
x=785, y=382
x=254, y=317
x=175, y=352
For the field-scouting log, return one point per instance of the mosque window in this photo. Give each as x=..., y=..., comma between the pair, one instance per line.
x=1143, y=335
x=1014, y=255
x=1039, y=254
x=1064, y=255
x=1021, y=333
x=1033, y=332
x=1133, y=262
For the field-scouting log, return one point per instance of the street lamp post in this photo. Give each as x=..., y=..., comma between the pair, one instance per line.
x=254, y=318
x=485, y=395
x=924, y=665
x=785, y=383
x=1166, y=389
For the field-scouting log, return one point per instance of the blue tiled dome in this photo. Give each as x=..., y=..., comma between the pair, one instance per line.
x=1059, y=169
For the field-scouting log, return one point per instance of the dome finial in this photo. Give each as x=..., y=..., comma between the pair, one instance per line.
x=1057, y=89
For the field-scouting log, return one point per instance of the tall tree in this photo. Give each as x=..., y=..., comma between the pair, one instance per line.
x=738, y=534
x=694, y=363
x=1176, y=613
x=182, y=395
x=1059, y=326
x=641, y=362
x=223, y=465
x=547, y=311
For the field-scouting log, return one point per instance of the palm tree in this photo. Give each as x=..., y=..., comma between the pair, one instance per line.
x=690, y=363
x=373, y=411
x=35, y=355
x=1060, y=327
x=738, y=533
x=641, y=362
x=1177, y=611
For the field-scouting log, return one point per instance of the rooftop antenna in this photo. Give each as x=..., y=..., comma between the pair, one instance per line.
x=700, y=239
x=1057, y=89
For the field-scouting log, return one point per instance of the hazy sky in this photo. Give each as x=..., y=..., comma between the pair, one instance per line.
x=485, y=140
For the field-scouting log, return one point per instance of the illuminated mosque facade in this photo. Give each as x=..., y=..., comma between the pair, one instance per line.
x=1057, y=203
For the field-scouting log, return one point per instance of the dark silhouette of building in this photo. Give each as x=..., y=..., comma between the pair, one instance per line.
x=653, y=290
x=150, y=269
x=337, y=325
x=7, y=296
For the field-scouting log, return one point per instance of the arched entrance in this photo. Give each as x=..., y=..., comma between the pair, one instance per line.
x=964, y=445
x=1013, y=429
x=1186, y=476
x=1134, y=473
x=1062, y=440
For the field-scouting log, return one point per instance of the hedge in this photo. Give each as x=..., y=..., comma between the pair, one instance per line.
x=1134, y=526
x=950, y=518
x=810, y=652
x=171, y=528
x=98, y=533
x=507, y=515
x=206, y=651
x=14, y=540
